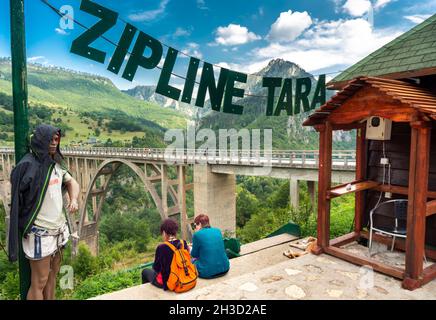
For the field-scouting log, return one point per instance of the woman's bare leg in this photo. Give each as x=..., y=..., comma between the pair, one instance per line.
x=40, y=270
x=50, y=287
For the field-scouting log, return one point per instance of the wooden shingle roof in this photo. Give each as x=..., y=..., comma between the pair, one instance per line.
x=404, y=92
x=411, y=54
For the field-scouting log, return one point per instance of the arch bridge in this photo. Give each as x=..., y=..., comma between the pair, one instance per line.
x=164, y=176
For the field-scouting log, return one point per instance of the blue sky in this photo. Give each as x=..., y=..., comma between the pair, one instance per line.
x=319, y=35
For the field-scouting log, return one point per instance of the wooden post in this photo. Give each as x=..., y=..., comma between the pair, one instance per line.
x=416, y=211
x=324, y=183
x=360, y=175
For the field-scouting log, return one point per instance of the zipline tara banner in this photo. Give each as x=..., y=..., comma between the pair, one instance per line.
x=222, y=93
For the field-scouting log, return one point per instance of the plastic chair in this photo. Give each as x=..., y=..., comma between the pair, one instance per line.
x=399, y=220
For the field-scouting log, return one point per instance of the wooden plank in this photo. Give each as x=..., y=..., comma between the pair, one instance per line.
x=345, y=239
x=361, y=172
x=401, y=190
x=353, y=187
x=362, y=261
x=431, y=208
x=324, y=183
x=266, y=243
x=429, y=274
x=408, y=93
x=417, y=204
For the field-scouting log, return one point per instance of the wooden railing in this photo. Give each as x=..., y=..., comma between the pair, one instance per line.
x=341, y=160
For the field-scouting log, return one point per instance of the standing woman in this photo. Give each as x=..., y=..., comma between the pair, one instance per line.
x=208, y=249
x=38, y=225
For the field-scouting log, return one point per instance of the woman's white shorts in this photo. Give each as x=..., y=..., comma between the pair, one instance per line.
x=41, y=243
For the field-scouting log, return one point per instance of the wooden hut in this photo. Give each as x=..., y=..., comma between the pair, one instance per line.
x=396, y=83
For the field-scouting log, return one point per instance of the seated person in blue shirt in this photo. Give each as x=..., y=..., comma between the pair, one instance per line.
x=208, y=249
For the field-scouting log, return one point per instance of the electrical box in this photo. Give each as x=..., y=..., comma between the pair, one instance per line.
x=378, y=128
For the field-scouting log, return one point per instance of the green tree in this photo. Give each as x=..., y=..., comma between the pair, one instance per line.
x=246, y=205
x=118, y=227
x=84, y=264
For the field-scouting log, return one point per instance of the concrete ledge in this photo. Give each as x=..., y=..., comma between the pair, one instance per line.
x=254, y=257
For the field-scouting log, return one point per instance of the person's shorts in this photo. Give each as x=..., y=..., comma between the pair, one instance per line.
x=41, y=243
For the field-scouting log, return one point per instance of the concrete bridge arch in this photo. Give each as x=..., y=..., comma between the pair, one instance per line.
x=98, y=186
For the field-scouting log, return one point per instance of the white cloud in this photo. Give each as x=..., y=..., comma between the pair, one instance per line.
x=326, y=44
x=381, y=3
x=61, y=32
x=149, y=15
x=193, y=50
x=357, y=8
x=234, y=34
x=180, y=32
x=289, y=25
x=418, y=18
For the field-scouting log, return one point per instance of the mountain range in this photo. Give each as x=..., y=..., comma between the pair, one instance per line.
x=91, y=105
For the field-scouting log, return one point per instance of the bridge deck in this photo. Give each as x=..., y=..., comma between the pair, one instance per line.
x=343, y=159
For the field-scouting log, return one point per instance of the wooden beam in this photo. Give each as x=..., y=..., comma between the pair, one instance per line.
x=361, y=165
x=401, y=190
x=345, y=239
x=417, y=201
x=351, y=126
x=429, y=274
x=431, y=208
x=324, y=184
x=363, y=261
x=353, y=187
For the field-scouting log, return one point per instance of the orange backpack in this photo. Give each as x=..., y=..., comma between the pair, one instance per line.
x=183, y=273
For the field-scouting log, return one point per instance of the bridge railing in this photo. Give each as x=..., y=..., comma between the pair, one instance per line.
x=343, y=159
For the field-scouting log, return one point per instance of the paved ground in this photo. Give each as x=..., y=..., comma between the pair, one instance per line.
x=268, y=274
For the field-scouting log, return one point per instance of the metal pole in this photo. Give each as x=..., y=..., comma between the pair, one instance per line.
x=19, y=78
x=21, y=121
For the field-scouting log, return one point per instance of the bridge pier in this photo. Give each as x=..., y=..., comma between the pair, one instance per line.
x=311, y=190
x=215, y=195
x=294, y=193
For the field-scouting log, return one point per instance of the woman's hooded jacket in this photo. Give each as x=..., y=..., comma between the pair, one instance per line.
x=29, y=180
